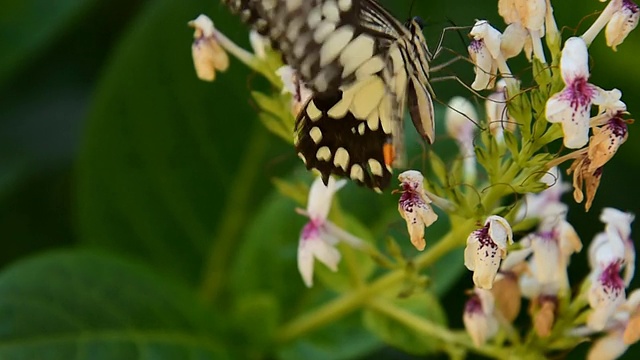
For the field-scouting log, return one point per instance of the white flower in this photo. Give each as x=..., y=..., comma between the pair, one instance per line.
x=571, y=106
x=622, y=22
x=553, y=244
x=526, y=19
x=414, y=207
x=208, y=55
x=609, y=252
x=618, y=225
x=607, y=287
x=532, y=13
x=622, y=330
x=485, y=53
x=459, y=118
x=486, y=247
x=319, y=236
x=551, y=247
x=479, y=317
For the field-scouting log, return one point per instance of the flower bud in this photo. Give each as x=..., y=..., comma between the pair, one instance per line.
x=506, y=292
x=208, y=55
x=544, y=315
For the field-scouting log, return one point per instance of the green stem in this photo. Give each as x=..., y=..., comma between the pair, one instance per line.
x=431, y=329
x=239, y=202
x=356, y=299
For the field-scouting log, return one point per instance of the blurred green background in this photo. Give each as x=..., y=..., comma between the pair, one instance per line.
x=109, y=142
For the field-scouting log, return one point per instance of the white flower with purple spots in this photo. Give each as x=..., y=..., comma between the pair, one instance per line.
x=486, y=247
x=609, y=253
x=571, y=107
x=414, y=207
x=622, y=22
x=479, y=318
x=485, y=54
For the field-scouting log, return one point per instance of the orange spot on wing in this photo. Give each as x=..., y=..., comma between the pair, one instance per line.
x=389, y=154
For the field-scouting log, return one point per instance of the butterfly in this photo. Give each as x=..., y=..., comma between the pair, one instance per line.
x=364, y=68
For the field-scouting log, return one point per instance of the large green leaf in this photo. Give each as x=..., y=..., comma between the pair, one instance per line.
x=171, y=164
x=26, y=26
x=79, y=305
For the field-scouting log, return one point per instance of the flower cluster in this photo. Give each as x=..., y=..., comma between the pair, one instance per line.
x=501, y=196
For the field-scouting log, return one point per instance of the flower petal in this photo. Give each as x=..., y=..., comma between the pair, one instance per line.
x=478, y=317
x=487, y=263
x=315, y=247
x=485, y=67
x=572, y=110
x=320, y=197
x=608, y=347
x=574, y=62
x=499, y=231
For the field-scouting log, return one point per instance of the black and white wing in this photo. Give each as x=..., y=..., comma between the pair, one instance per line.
x=363, y=67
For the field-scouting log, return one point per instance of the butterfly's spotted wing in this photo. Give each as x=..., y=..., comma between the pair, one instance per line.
x=363, y=67
x=346, y=145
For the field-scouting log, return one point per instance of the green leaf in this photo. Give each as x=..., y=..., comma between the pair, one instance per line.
x=512, y=144
x=81, y=305
x=541, y=73
x=391, y=331
x=172, y=168
x=28, y=26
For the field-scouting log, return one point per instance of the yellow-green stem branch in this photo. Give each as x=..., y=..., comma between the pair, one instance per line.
x=356, y=299
x=431, y=329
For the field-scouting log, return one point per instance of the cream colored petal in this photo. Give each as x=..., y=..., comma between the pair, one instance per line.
x=621, y=24
x=499, y=231
x=487, y=263
x=470, y=252
x=604, y=303
x=608, y=347
x=512, y=40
